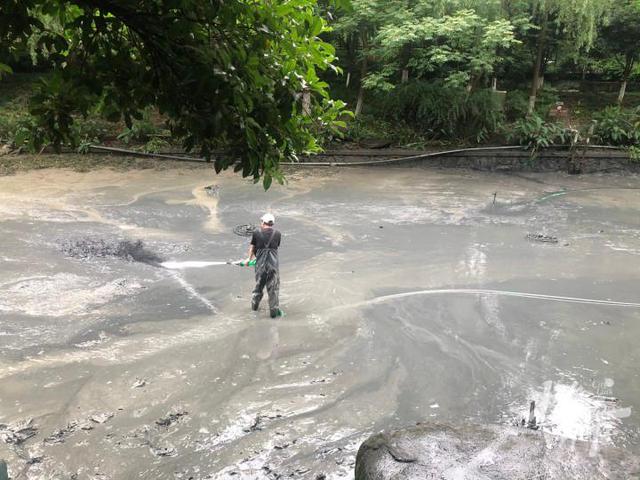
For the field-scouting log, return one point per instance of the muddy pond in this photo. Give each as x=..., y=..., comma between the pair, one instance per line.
x=409, y=295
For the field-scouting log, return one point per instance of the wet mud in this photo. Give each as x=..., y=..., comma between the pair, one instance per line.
x=90, y=248
x=410, y=295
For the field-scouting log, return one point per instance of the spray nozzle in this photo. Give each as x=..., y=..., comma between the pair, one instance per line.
x=250, y=263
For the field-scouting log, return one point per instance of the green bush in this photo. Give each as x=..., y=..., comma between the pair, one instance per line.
x=7, y=129
x=516, y=105
x=156, y=145
x=91, y=127
x=534, y=133
x=444, y=112
x=141, y=130
x=28, y=135
x=369, y=127
x=617, y=126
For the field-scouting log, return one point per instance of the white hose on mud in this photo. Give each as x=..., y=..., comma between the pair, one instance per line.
x=504, y=293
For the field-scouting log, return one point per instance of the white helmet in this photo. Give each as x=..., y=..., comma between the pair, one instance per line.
x=268, y=218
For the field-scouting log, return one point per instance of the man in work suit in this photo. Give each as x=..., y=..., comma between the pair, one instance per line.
x=264, y=247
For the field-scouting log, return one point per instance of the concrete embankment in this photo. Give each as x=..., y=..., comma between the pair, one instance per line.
x=517, y=159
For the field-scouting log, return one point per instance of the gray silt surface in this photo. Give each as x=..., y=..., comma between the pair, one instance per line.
x=296, y=397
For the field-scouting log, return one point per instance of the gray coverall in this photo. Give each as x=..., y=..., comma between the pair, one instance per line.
x=266, y=244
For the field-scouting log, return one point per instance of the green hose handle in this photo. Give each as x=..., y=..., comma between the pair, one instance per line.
x=251, y=263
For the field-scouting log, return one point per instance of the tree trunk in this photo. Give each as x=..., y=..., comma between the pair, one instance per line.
x=363, y=73
x=494, y=84
x=537, y=66
x=405, y=75
x=306, y=102
x=348, y=78
x=623, y=89
x=628, y=68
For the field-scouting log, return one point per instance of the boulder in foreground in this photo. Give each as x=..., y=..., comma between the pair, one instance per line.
x=488, y=452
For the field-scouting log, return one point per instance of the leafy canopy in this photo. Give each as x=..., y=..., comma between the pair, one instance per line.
x=223, y=72
x=456, y=41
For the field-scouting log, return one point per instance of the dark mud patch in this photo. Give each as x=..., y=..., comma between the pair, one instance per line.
x=130, y=251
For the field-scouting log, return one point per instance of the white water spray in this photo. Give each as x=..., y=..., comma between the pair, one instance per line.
x=191, y=264
x=193, y=293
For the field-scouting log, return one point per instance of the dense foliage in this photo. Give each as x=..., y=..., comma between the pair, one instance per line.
x=441, y=66
x=229, y=72
x=257, y=77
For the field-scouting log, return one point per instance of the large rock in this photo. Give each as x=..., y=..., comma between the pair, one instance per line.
x=475, y=452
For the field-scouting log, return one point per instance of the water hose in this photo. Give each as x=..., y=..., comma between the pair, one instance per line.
x=389, y=161
x=477, y=291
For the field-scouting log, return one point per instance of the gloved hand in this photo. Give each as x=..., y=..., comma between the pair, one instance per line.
x=247, y=263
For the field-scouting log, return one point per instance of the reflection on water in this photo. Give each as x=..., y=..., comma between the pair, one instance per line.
x=571, y=412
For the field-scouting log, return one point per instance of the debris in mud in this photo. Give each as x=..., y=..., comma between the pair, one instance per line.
x=531, y=423
x=59, y=436
x=212, y=190
x=165, y=451
x=171, y=418
x=256, y=425
x=245, y=230
x=330, y=451
x=18, y=433
x=327, y=379
x=101, y=417
x=139, y=383
x=604, y=398
x=540, y=237
x=35, y=460
x=270, y=473
x=98, y=248
x=284, y=444
x=258, y=422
